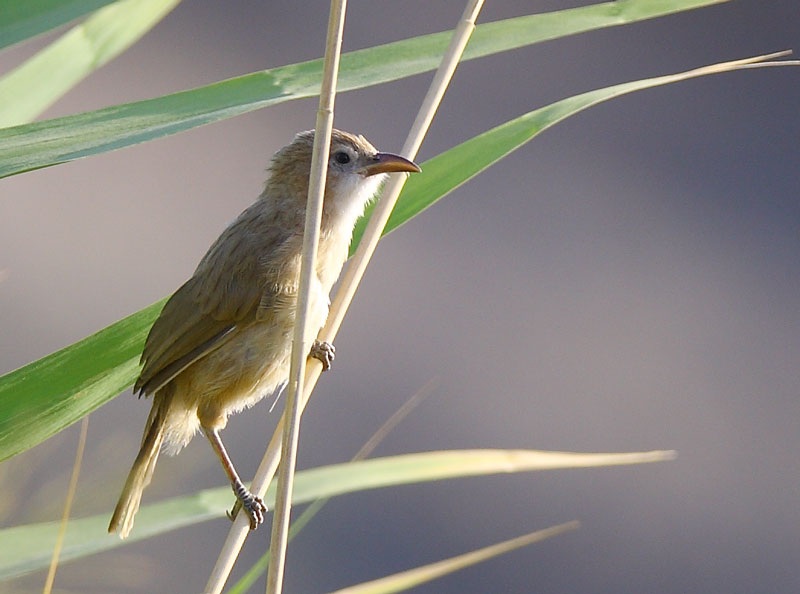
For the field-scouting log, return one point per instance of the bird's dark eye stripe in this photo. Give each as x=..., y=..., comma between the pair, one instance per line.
x=341, y=157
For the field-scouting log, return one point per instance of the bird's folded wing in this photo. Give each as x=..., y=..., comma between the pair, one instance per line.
x=230, y=290
x=202, y=315
x=184, y=333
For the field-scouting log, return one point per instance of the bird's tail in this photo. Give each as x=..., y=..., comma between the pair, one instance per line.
x=142, y=470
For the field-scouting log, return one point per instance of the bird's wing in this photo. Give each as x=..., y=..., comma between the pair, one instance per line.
x=182, y=334
x=229, y=291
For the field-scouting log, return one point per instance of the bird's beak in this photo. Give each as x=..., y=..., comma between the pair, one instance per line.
x=390, y=163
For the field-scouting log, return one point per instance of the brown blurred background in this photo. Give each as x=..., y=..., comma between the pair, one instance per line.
x=628, y=281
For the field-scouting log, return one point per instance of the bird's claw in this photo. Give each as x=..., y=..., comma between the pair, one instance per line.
x=252, y=505
x=324, y=352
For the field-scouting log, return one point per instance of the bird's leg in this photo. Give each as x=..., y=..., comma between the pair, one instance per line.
x=253, y=505
x=324, y=352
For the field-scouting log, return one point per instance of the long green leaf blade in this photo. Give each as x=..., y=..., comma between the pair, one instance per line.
x=447, y=171
x=23, y=19
x=42, y=144
x=43, y=397
x=46, y=396
x=27, y=548
x=41, y=80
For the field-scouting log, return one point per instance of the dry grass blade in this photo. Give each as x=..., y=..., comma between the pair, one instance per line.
x=62, y=529
x=279, y=541
x=414, y=577
x=392, y=422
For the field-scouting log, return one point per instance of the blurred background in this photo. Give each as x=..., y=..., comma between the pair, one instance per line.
x=628, y=281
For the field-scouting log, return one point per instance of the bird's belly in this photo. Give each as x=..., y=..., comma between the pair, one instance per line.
x=246, y=369
x=250, y=366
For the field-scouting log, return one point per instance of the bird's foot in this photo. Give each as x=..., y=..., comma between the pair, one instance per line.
x=324, y=352
x=252, y=505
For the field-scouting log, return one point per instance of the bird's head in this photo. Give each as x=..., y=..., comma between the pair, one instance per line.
x=355, y=171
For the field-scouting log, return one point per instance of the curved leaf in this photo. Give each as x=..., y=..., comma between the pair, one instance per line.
x=42, y=144
x=446, y=172
x=27, y=548
x=43, y=397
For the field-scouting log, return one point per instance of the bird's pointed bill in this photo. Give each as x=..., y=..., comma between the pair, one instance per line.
x=390, y=163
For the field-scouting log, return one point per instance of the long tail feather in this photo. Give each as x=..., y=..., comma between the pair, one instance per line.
x=142, y=470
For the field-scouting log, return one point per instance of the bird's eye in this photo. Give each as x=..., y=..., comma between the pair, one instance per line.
x=341, y=158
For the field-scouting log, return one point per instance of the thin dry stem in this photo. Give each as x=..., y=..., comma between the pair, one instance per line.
x=62, y=528
x=399, y=415
x=372, y=233
x=316, y=192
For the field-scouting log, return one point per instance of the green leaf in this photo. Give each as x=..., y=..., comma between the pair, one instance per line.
x=44, y=397
x=447, y=171
x=405, y=580
x=23, y=19
x=28, y=548
x=40, y=81
x=42, y=144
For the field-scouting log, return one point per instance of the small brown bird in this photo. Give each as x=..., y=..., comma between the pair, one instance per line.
x=223, y=340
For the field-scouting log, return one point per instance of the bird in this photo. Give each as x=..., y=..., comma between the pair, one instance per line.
x=223, y=340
